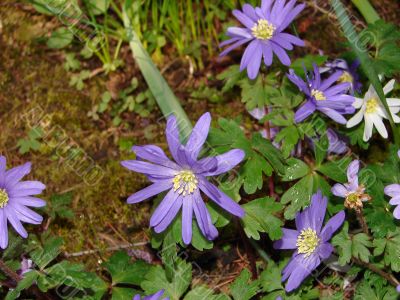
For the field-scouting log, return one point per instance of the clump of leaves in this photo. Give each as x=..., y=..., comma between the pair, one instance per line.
x=128, y=100
x=32, y=142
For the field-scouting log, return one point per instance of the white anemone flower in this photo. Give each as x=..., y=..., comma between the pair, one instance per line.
x=373, y=112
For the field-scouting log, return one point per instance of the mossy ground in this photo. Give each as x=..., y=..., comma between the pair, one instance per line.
x=32, y=76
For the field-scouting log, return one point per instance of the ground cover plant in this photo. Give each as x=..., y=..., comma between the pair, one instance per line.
x=199, y=149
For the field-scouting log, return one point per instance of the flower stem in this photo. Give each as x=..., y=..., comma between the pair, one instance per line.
x=362, y=221
x=10, y=273
x=388, y=276
x=249, y=251
x=271, y=184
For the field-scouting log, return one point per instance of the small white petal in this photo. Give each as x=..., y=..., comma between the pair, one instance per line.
x=371, y=93
x=393, y=101
x=358, y=102
x=389, y=86
x=379, y=125
x=395, y=117
x=369, y=125
x=356, y=119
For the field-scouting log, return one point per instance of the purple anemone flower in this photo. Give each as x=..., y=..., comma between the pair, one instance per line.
x=26, y=266
x=349, y=75
x=263, y=30
x=393, y=191
x=323, y=96
x=15, y=196
x=309, y=240
x=352, y=191
x=156, y=296
x=336, y=143
x=184, y=179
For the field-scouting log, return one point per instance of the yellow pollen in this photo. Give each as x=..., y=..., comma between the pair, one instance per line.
x=372, y=106
x=353, y=197
x=318, y=95
x=3, y=198
x=307, y=242
x=185, y=182
x=263, y=30
x=346, y=77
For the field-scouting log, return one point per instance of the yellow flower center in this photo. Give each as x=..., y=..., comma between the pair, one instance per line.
x=318, y=95
x=263, y=30
x=307, y=242
x=346, y=77
x=185, y=182
x=372, y=106
x=3, y=198
x=353, y=197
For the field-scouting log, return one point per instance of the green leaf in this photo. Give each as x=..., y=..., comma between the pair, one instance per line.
x=42, y=256
x=296, y=169
x=122, y=293
x=97, y=7
x=298, y=196
x=360, y=245
x=261, y=156
x=243, y=288
x=367, y=10
x=27, y=281
x=163, y=94
x=31, y=143
x=122, y=270
x=268, y=151
x=356, y=245
x=169, y=254
x=156, y=279
x=202, y=293
x=255, y=93
x=59, y=205
x=321, y=147
x=384, y=46
x=71, y=63
x=60, y=38
x=343, y=243
x=375, y=287
x=389, y=247
x=260, y=217
x=336, y=170
x=232, y=76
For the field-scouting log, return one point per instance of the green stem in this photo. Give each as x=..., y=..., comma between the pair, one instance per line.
x=367, y=10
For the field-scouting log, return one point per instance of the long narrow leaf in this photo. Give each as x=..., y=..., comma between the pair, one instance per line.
x=367, y=10
x=362, y=54
x=160, y=89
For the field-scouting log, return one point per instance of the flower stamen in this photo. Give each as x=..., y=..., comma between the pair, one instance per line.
x=3, y=198
x=185, y=182
x=346, y=77
x=263, y=30
x=372, y=106
x=307, y=242
x=354, y=200
x=318, y=95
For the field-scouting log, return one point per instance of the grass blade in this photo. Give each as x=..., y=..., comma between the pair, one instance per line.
x=160, y=89
x=362, y=53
